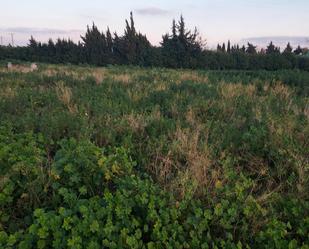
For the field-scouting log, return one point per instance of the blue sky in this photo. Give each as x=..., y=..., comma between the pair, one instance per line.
x=217, y=20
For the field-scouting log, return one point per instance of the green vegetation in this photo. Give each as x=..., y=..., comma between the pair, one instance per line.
x=180, y=49
x=123, y=157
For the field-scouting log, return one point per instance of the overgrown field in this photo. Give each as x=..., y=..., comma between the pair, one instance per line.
x=122, y=157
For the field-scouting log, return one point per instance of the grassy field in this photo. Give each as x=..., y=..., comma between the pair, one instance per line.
x=122, y=157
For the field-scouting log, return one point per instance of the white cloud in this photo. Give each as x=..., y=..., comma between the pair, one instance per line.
x=152, y=11
x=21, y=35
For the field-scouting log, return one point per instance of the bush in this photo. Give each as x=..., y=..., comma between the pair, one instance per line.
x=92, y=200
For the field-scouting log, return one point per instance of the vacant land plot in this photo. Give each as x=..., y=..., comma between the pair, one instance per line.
x=122, y=157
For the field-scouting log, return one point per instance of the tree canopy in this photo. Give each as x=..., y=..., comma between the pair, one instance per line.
x=181, y=48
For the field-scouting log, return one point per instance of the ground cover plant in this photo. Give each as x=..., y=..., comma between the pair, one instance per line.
x=125, y=157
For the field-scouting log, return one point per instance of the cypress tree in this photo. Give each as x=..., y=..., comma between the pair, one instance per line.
x=298, y=50
x=251, y=49
x=110, y=47
x=182, y=48
x=132, y=47
x=223, y=48
x=174, y=30
x=272, y=49
x=288, y=49
x=229, y=46
x=95, y=46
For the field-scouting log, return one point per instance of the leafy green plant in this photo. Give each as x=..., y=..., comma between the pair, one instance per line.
x=156, y=158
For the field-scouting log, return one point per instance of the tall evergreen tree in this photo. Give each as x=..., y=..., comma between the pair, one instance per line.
x=51, y=50
x=183, y=47
x=228, y=46
x=132, y=47
x=109, y=40
x=223, y=47
x=251, y=49
x=174, y=30
x=33, y=43
x=298, y=50
x=33, y=48
x=272, y=49
x=288, y=49
x=95, y=46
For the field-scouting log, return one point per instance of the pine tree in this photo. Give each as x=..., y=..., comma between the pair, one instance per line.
x=174, y=30
x=223, y=48
x=251, y=49
x=288, y=49
x=110, y=47
x=181, y=28
x=95, y=45
x=51, y=50
x=132, y=47
x=272, y=49
x=109, y=41
x=33, y=48
x=33, y=43
x=182, y=47
x=298, y=50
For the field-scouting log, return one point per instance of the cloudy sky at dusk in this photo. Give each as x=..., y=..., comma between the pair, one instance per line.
x=217, y=20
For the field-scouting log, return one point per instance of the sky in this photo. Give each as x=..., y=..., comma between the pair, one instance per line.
x=216, y=20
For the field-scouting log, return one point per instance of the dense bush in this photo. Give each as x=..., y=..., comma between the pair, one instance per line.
x=91, y=199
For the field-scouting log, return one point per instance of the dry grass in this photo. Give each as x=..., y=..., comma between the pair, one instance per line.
x=137, y=122
x=163, y=166
x=188, y=164
x=19, y=69
x=281, y=90
x=135, y=94
x=77, y=74
x=162, y=86
x=232, y=91
x=156, y=114
x=258, y=112
x=192, y=76
x=191, y=117
x=122, y=78
x=8, y=92
x=302, y=166
x=49, y=72
x=99, y=75
x=64, y=94
x=198, y=158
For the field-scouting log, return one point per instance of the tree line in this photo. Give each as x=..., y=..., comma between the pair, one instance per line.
x=182, y=48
